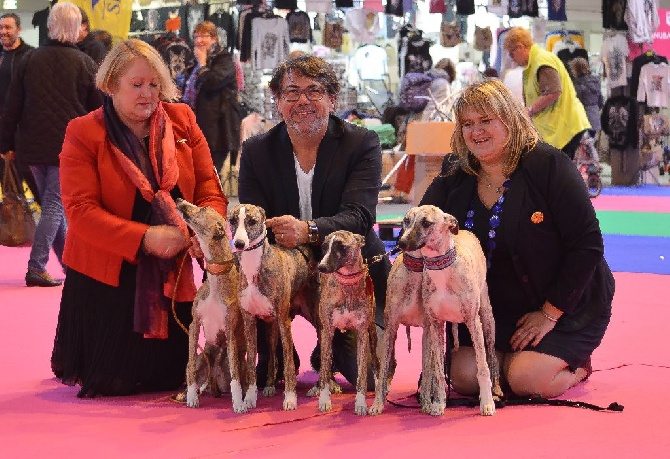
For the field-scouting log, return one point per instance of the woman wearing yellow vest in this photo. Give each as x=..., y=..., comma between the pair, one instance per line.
x=548, y=92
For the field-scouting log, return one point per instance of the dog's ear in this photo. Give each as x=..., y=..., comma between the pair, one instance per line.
x=262, y=213
x=451, y=222
x=360, y=240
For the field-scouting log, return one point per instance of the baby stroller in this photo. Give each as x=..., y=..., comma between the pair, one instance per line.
x=588, y=164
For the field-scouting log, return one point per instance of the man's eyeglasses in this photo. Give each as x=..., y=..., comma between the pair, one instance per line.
x=312, y=94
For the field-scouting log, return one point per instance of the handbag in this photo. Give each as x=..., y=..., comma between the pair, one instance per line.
x=655, y=125
x=17, y=221
x=450, y=34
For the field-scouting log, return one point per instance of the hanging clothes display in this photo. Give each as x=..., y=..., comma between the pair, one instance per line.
x=363, y=25
x=619, y=121
x=654, y=84
x=299, y=27
x=270, y=42
x=613, y=14
x=642, y=19
x=614, y=55
x=224, y=19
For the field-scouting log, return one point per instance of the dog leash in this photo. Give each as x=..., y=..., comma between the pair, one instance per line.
x=377, y=258
x=613, y=407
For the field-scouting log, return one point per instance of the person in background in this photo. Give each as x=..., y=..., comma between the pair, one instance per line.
x=548, y=92
x=52, y=85
x=123, y=167
x=209, y=87
x=314, y=173
x=13, y=49
x=87, y=42
x=490, y=72
x=588, y=91
x=103, y=37
x=550, y=287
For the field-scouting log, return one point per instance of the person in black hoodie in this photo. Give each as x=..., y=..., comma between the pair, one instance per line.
x=209, y=86
x=52, y=85
x=12, y=50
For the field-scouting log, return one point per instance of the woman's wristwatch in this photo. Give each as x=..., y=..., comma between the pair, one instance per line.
x=312, y=232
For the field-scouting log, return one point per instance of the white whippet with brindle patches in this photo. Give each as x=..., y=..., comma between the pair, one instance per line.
x=453, y=290
x=273, y=281
x=216, y=308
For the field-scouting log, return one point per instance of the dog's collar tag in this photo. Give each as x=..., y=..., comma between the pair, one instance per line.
x=216, y=269
x=441, y=262
x=413, y=264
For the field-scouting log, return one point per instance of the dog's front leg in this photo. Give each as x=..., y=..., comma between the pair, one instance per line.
x=383, y=380
x=489, y=330
x=192, y=398
x=427, y=370
x=251, y=396
x=272, y=335
x=239, y=406
x=326, y=370
x=487, y=406
x=290, y=382
x=362, y=357
x=437, y=335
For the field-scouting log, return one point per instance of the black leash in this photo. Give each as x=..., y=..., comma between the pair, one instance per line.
x=376, y=258
x=531, y=401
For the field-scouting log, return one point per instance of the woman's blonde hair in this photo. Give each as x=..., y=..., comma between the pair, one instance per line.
x=64, y=22
x=117, y=61
x=492, y=97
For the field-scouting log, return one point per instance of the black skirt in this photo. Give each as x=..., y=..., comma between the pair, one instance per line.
x=95, y=345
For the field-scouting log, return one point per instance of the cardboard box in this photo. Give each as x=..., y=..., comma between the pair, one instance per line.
x=429, y=137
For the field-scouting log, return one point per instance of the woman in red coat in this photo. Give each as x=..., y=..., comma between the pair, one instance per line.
x=122, y=167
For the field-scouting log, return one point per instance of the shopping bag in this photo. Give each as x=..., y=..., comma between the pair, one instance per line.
x=17, y=219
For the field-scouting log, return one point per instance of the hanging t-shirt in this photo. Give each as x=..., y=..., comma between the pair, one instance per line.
x=619, y=121
x=654, y=86
x=394, y=7
x=299, y=27
x=40, y=21
x=614, y=54
x=498, y=7
x=613, y=14
x=518, y=8
x=270, y=43
x=465, y=7
x=362, y=24
x=556, y=10
x=369, y=62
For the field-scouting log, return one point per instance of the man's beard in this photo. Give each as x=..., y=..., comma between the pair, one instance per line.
x=307, y=128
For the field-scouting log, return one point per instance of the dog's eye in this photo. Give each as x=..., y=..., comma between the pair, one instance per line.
x=426, y=223
x=251, y=221
x=233, y=220
x=218, y=236
x=405, y=221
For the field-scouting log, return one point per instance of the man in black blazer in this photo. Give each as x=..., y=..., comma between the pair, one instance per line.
x=313, y=174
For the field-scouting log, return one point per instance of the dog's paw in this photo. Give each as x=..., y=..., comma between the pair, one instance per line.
x=376, y=409
x=192, y=399
x=436, y=409
x=325, y=404
x=290, y=401
x=334, y=387
x=239, y=406
x=314, y=391
x=360, y=407
x=487, y=409
x=251, y=397
x=269, y=391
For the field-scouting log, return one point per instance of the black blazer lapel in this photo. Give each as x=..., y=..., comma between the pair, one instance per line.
x=328, y=151
x=512, y=210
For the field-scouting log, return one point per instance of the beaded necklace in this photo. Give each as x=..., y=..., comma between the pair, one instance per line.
x=494, y=221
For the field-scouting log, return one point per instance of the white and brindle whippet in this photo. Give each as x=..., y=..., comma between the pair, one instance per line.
x=273, y=282
x=346, y=302
x=453, y=290
x=216, y=309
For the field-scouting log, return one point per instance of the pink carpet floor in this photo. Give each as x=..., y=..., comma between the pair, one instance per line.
x=42, y=418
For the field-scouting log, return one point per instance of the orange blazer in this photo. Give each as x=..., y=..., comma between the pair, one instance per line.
x=98, y=197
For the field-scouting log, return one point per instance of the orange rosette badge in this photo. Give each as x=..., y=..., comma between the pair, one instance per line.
x=537, y=217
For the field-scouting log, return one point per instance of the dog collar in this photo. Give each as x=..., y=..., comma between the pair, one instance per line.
x=350, y=279
x=441, y=262
x=256, y=245
x=216, y=269
x=413, y=264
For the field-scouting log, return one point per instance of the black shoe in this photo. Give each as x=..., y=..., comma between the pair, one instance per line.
x=43, y=279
